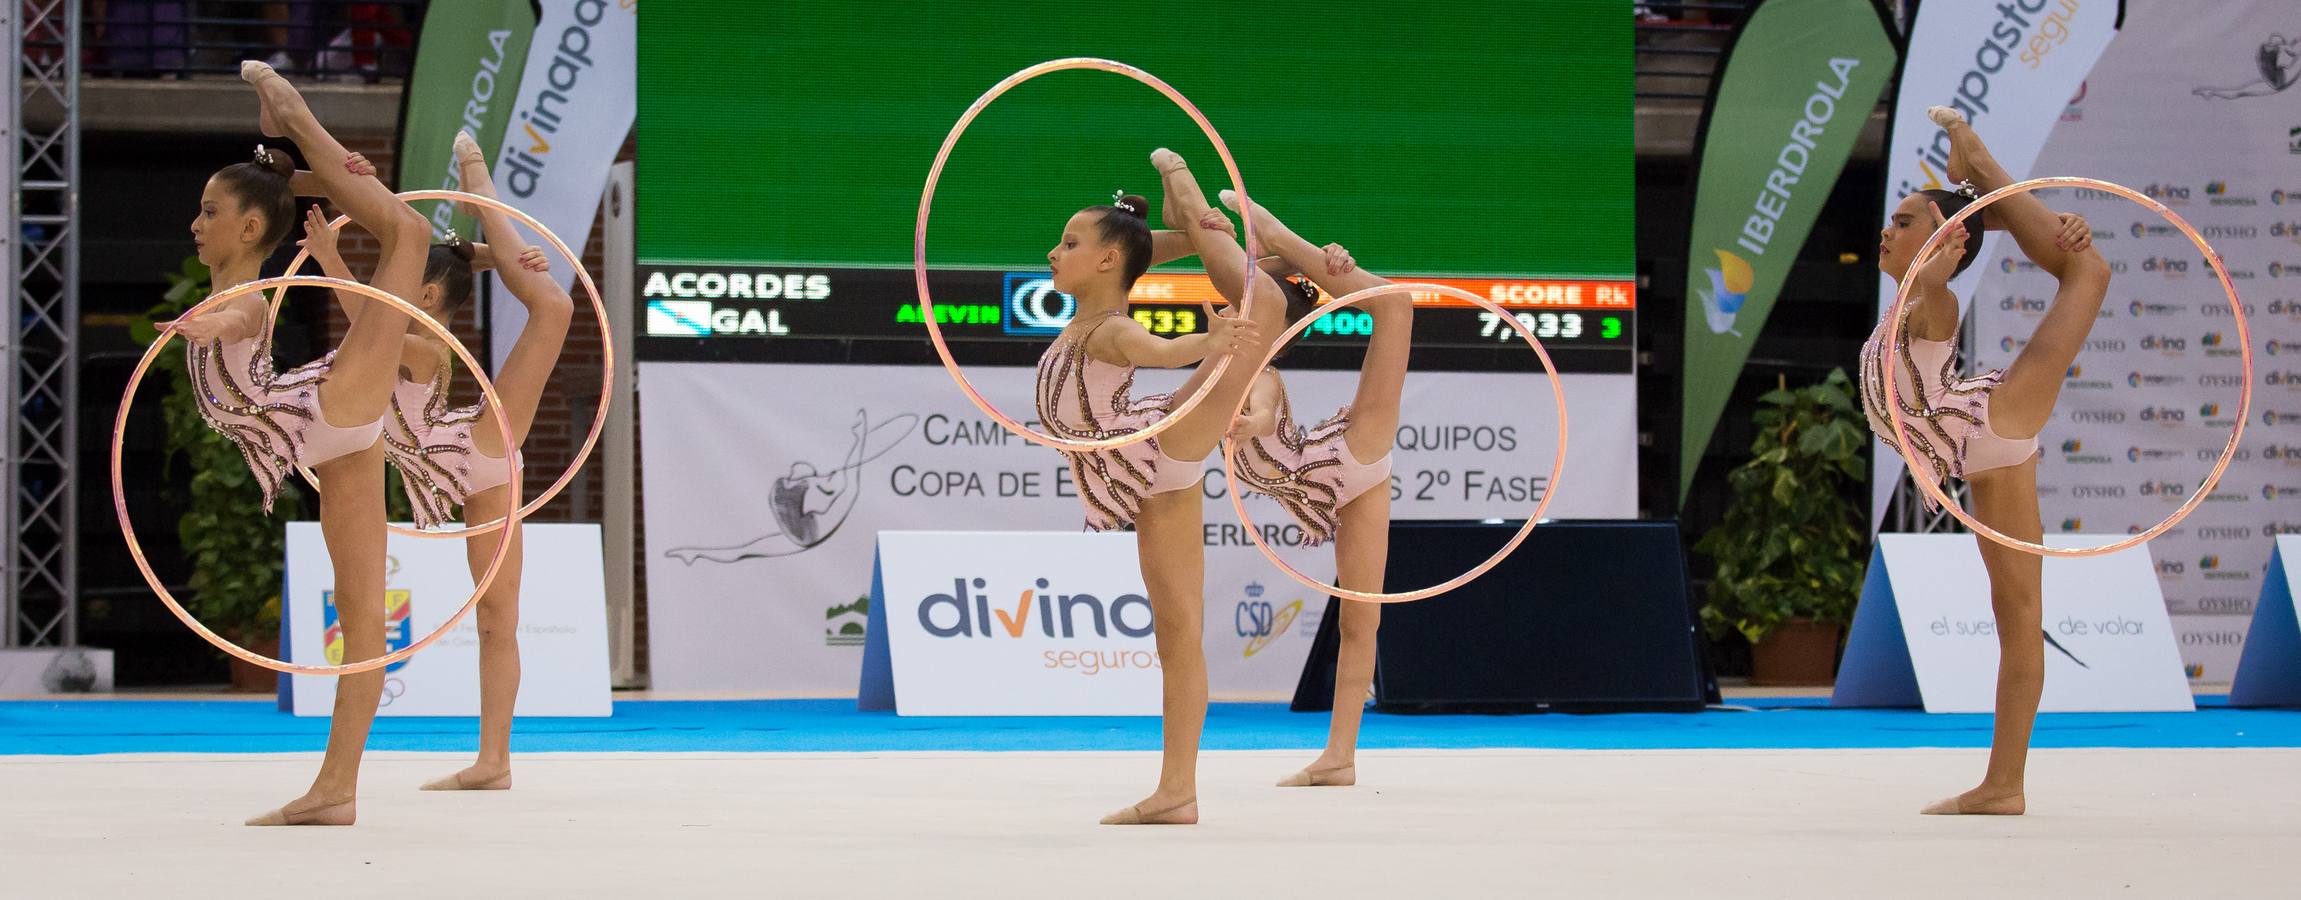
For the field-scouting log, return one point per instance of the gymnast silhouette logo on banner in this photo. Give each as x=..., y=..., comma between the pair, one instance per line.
x=810, y=502
x=2276, y=63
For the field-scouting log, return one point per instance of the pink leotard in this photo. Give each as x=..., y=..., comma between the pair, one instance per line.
x=274, y=417
x=431, y=444
x=1309, y=471
x=1081, y=398
x=1947, y=416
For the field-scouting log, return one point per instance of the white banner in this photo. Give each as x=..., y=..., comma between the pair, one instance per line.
x=992, y=623
x=765, y=485
x=1925, y=630
x=2009, y=66
x=562, y=624
x=2189, y=106
x=576, y=104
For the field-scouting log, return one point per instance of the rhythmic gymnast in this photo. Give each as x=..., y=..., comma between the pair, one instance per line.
x=451, y=457
x=1983, y=429
x=328, y=415
x=1084, y=393
x=1319, y=474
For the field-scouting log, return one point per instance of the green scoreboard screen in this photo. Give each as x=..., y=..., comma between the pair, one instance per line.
x=784, y=147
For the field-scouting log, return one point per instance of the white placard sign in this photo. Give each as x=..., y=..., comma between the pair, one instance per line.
x=562, y=625
x=1010, y=624
x=2269, y=672
x=1924, y=631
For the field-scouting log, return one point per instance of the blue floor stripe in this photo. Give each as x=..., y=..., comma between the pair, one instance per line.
x=163, y=726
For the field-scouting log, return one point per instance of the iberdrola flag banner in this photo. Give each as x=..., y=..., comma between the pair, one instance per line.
x=467, y=70
x=1793, y=93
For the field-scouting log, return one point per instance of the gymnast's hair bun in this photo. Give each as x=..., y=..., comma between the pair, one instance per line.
x=462, y=249
x=1133, y=204
x=275, y=161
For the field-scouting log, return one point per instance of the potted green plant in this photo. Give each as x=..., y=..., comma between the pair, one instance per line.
x=234, y=548
x=1790, y=552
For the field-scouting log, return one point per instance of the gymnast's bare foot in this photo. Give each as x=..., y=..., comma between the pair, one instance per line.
x=311, y=809
x=1981, y=801
x=1165, y=160
x=1157, y=809
x=477, y=778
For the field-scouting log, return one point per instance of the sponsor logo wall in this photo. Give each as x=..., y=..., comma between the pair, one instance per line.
x=2150, y=402
x=766, y=487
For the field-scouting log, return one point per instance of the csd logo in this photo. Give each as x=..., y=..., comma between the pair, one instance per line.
x=2208, y=563
x=1035, y=307
x=1260, y=624
x=2209, y=410
x=2072, y=445
x=2073, y=524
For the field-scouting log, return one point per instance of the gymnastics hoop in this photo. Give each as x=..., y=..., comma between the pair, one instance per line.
x=1557, y=466
x=919, y=253
x=136, y=550
x=1892, y=352
x=606, y=365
